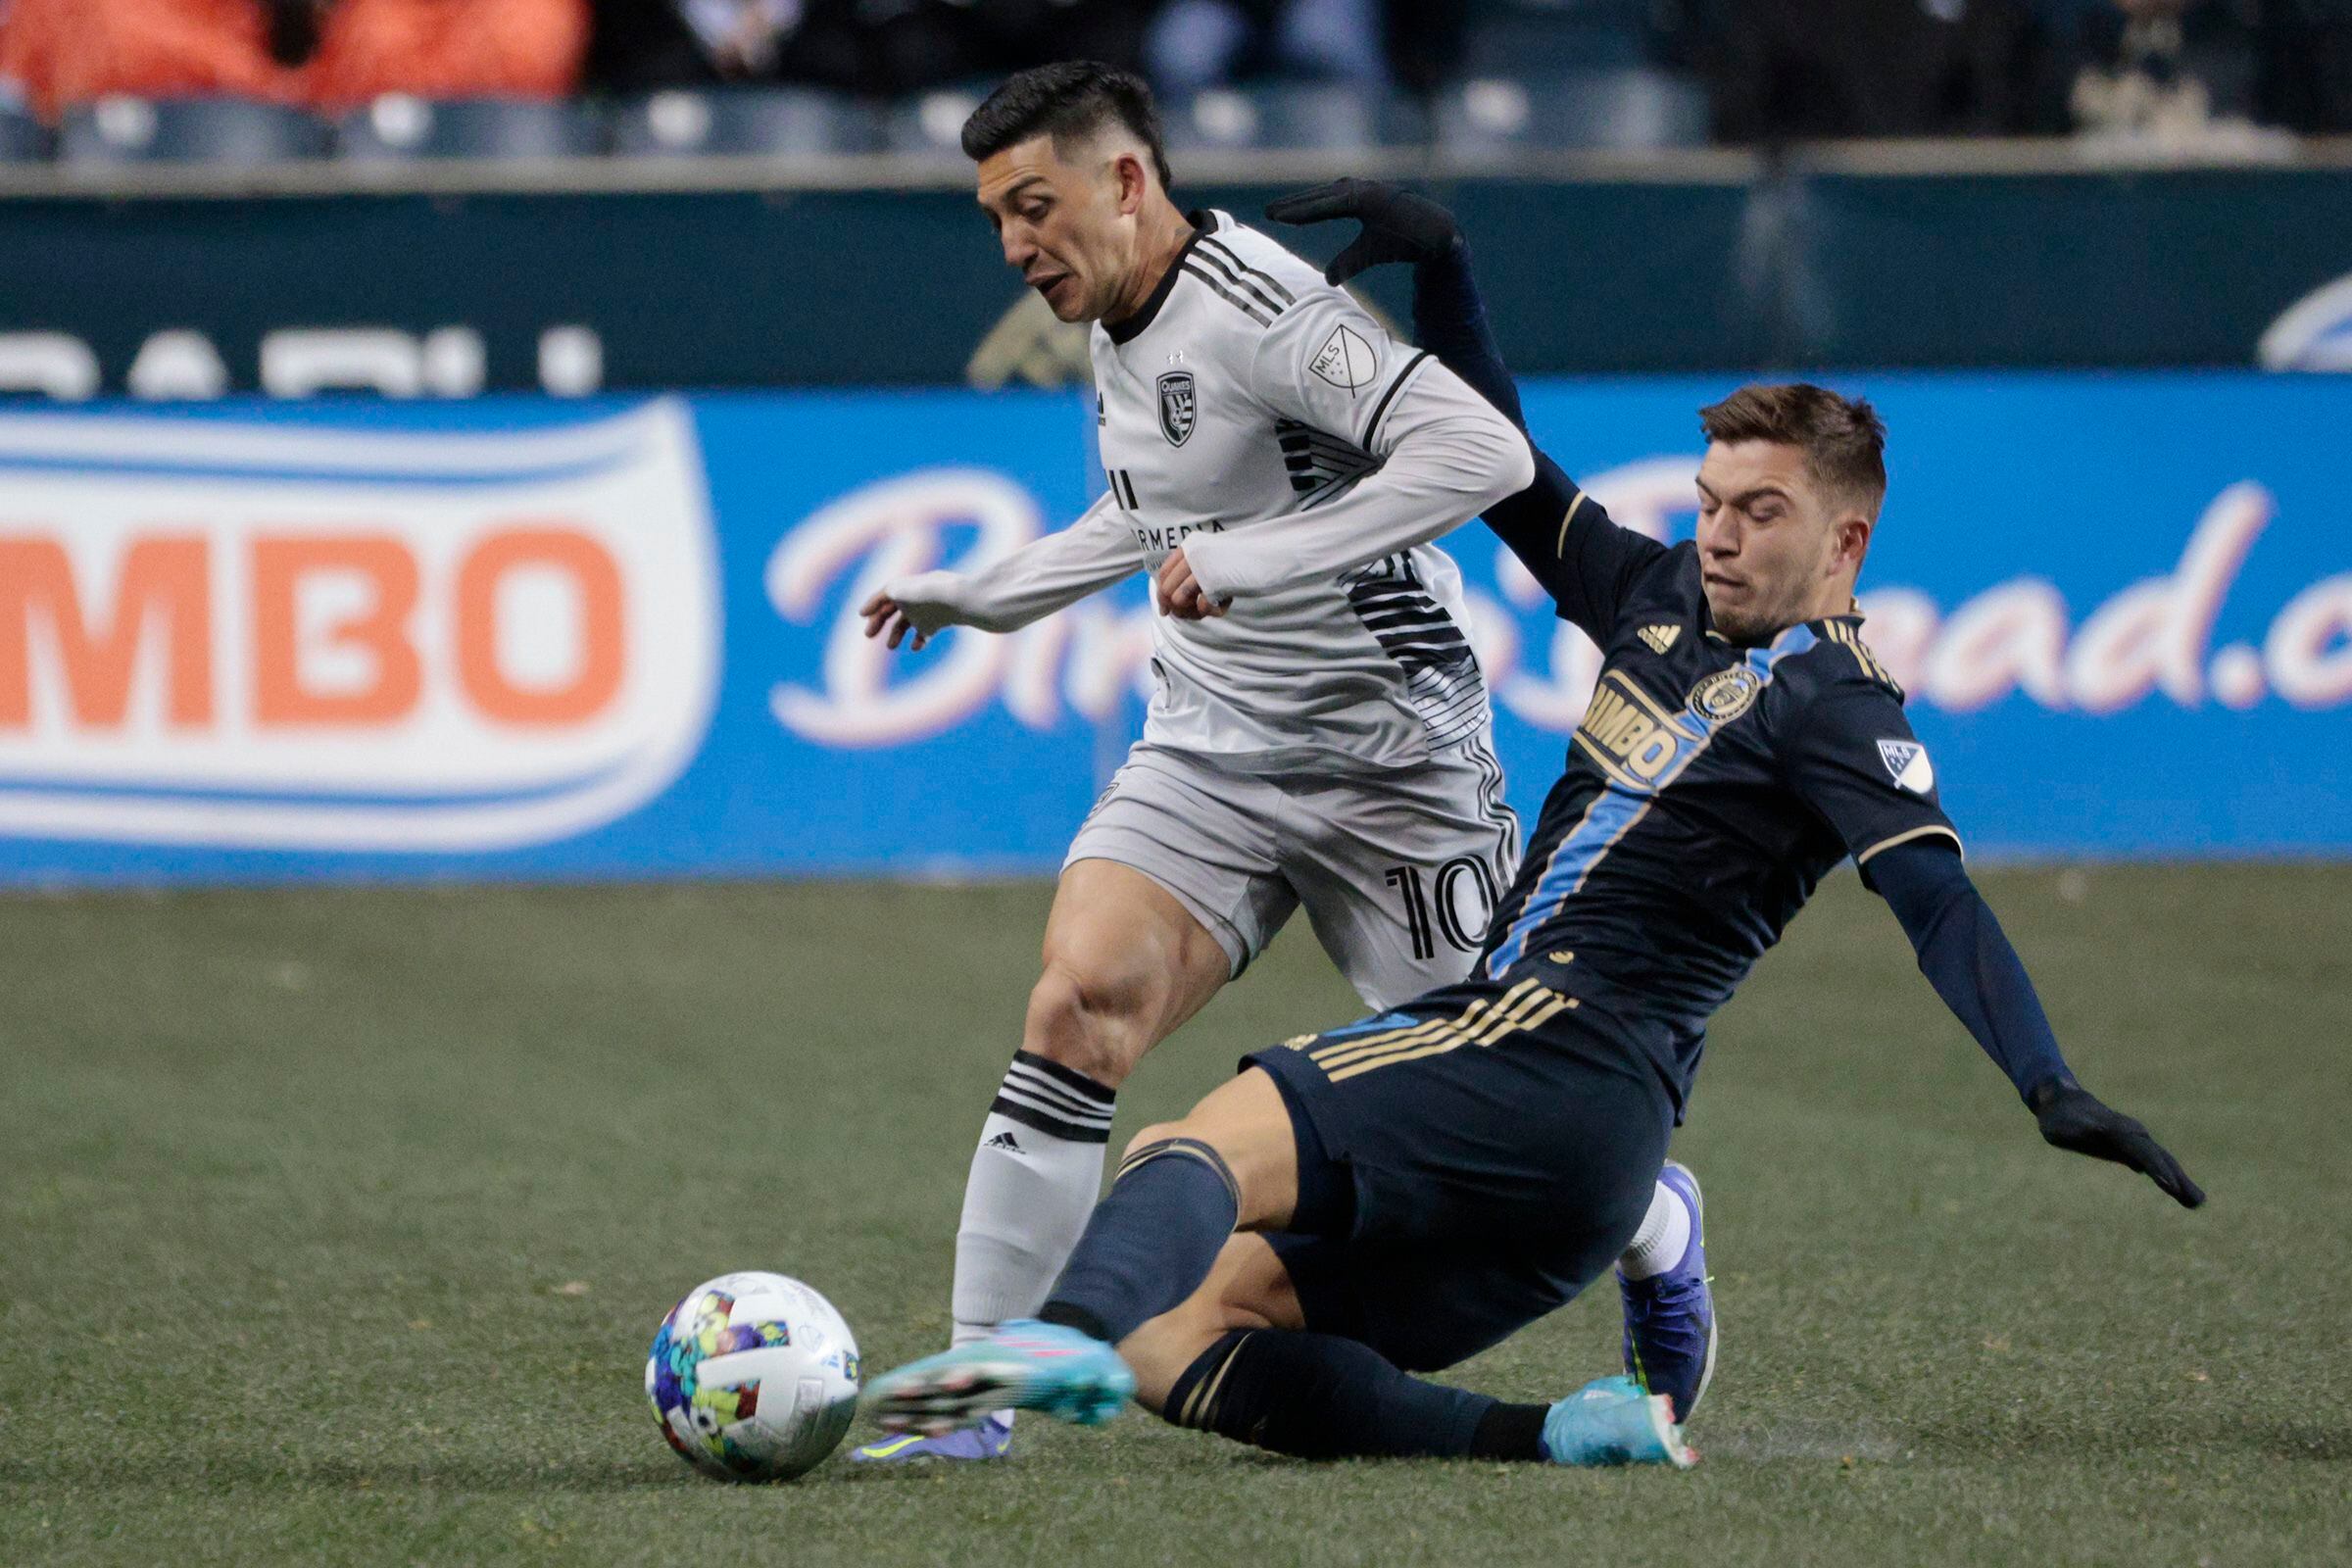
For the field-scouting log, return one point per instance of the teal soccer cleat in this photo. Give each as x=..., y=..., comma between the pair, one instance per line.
x=1611, y=1421
x=1025, y=1365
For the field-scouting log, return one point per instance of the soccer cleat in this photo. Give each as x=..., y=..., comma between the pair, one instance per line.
x=1611, y=1421
x=1026, y=1365
x=1670, y=1317
x=992, y=1438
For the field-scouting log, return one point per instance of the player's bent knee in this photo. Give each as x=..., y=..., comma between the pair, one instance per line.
x=1085, y=1025
x=1157, y=1133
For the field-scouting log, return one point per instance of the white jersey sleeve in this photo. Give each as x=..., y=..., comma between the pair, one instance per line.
x=1445, y=454
x=1032, y=582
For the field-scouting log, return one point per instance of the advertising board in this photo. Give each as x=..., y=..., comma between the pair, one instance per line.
x=522, y=638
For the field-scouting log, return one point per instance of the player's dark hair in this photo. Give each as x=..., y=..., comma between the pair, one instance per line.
x=1068, y=101
x=1845, y=440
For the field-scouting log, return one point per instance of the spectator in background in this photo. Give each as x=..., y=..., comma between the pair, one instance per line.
x=2303, y=66
x=872, y=47
x=440, y=48
x=66, y=52
x=1807, y=69
x=1194, y=44
x=327, y=55
x=2164, y=67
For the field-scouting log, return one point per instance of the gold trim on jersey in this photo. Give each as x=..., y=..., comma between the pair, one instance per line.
x=1846, y=637
x=1526, y=1005
x=1574, y=507
x=1932, y=828
x=1200, y=1406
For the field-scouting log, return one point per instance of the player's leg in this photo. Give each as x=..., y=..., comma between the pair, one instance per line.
x=1170, y=890
x=1400, y=873
x=1125, y=965
x=1488, y=1175
x=1185, y=1187
x=1241, y=1360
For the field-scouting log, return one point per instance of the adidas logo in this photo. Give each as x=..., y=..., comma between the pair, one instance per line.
x=1005, y=1142
x=1660, y=638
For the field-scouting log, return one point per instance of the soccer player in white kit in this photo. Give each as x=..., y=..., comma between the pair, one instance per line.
x=1318, y=732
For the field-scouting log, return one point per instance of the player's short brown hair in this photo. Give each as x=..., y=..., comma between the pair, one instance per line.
x=1844, y=441
x=1068, y=100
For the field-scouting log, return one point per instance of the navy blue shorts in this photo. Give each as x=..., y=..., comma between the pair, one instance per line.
x=1466, y=1165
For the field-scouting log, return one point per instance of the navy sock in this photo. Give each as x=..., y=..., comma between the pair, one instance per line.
x=1321, y=1396
x=1150, y=1243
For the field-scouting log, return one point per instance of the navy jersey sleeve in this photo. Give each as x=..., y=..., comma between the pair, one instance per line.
x=1850, y=753
x=1593, y=563
x=1560, y=534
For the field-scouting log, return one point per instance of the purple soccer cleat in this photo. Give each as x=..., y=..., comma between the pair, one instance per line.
x=1670, y=1317
x=992, y=1438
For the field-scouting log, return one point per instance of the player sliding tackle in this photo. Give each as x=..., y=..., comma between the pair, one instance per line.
x=1400, y=1193
x=1319, y=732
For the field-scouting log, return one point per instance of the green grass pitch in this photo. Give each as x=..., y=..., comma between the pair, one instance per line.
x=334, y=1225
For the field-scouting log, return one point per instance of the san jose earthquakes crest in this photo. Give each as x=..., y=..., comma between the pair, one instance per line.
x=1179, y=408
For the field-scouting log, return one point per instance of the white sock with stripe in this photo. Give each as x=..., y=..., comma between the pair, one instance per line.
x=1664, y=1236
x=1034, y=1181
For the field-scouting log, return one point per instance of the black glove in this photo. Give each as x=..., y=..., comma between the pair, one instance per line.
x=1398, y=225
x=2072, y=1118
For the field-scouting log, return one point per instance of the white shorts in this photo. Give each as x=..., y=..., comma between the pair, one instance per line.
x=1399, y=871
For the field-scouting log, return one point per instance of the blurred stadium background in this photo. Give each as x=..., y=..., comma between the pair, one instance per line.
x=443, y=441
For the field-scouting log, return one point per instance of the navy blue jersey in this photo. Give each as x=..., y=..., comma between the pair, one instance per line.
x=1708, y=790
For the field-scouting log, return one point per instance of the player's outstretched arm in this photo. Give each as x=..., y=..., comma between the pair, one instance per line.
x=1563, y=537
x=1026, y=585
x=1969, y=960
x=1449, y=320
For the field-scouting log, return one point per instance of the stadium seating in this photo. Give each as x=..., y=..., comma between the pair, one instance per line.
x=234, y=132
x=22, y=139
x=932, y=124
x=744, y=121
x=1316, y=116
x=1549, y=37
x=397, y=128
x=1629, y=108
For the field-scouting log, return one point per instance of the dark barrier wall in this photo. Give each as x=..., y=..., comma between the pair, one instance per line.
x=456, y=293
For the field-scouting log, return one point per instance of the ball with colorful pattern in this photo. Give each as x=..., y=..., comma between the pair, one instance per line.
x=753, y=1377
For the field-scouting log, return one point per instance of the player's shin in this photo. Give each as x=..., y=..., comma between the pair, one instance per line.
x=1151, y=1241
x=1033, y=1182
x=1320, y=1397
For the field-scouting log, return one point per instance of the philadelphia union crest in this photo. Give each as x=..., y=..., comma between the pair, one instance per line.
x=1725, y=694
x=1178, y=408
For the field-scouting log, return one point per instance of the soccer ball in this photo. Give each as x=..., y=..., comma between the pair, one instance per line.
x=753, y=1377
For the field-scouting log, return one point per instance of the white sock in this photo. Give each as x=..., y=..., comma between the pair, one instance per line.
x=1664, y=1236
x=1034, y=1181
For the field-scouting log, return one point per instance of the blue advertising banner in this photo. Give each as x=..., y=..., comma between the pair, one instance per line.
x=519, y=638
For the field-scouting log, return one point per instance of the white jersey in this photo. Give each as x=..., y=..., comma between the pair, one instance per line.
x=1303, y=459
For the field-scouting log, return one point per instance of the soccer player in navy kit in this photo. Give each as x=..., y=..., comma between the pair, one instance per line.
x=1401, y=1193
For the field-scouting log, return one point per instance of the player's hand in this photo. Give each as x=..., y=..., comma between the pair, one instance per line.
x=1398, y=225
x=1181, y=594
x=2074, y=1118
x=923, y=604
